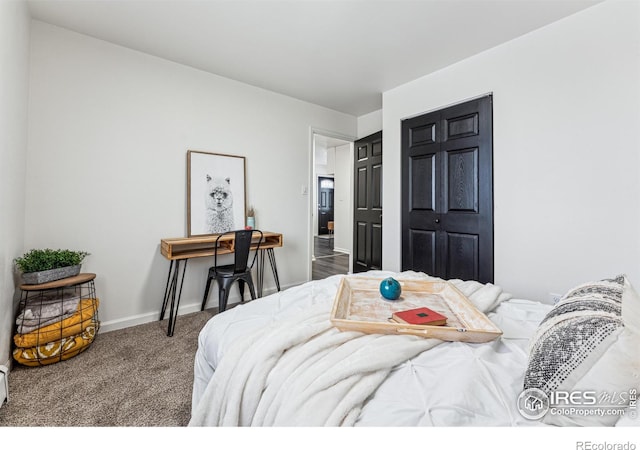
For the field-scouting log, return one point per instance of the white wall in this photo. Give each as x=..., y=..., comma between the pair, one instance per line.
x=566, y=149
x=109, y=130
x=370, y=123
x=343, y=199
x=14, y=76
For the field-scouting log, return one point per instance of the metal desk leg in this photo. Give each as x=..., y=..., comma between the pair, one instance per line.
x=166, y=292
x=260, y=270
x=170, y=293
x=274, y=268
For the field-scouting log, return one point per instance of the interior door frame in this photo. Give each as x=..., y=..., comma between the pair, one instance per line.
x=310, y=182
x=319, y=179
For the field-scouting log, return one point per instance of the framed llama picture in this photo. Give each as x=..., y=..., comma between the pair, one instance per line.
x=216, y=193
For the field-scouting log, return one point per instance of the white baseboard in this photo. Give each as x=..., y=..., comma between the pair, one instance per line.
x=187, y=308
x=341, y=250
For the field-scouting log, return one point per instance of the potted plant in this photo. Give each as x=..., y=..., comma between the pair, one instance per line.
x=44, y=265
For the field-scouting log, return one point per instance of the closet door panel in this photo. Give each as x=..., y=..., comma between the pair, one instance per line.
x=447, y=192
x=462, y=256
x=423, y=255
x=422, y=183
x=461, y=180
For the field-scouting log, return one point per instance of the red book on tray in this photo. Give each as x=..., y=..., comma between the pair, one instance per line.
x=419, y=316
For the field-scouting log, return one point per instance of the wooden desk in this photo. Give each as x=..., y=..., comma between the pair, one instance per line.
x=196, y=247
x=178, y=250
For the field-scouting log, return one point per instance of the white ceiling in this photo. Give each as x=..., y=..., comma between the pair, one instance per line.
x=338, y=54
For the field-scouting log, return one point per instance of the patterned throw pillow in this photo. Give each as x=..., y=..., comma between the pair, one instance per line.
x=584, y=355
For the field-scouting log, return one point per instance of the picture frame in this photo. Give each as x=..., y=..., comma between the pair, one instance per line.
x=216, y=193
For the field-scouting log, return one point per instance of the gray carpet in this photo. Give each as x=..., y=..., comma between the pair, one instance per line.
x=135, y=377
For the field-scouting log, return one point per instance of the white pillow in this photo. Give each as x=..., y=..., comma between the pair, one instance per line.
x=588, y=347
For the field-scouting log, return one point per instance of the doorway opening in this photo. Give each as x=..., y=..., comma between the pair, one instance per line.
x=326, y=211
x=331, y=205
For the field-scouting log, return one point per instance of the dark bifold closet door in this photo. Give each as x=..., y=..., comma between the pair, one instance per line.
x=447, y=192
x=367, y=223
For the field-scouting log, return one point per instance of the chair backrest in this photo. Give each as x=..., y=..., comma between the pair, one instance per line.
x=242, y=248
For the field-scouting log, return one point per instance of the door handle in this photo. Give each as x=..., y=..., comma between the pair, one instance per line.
x=437, y=220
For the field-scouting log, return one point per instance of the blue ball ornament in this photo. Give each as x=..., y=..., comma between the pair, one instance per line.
x=390, y=288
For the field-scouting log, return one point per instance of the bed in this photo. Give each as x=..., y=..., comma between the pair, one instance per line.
x=279, y=362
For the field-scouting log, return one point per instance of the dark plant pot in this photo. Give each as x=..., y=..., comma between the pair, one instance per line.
x=46, y=276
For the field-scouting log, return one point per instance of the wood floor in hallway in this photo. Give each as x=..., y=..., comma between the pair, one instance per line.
x=328, y=262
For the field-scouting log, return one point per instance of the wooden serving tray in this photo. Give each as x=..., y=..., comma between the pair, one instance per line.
x=358, y=306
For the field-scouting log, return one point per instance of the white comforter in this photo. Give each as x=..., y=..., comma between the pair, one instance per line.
x=278, y=361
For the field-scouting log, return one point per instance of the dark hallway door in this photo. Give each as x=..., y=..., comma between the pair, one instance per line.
x=325, y=204
x=367, y=223
x=447, y=192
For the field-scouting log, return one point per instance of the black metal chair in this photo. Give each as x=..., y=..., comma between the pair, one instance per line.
x=239, y=271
